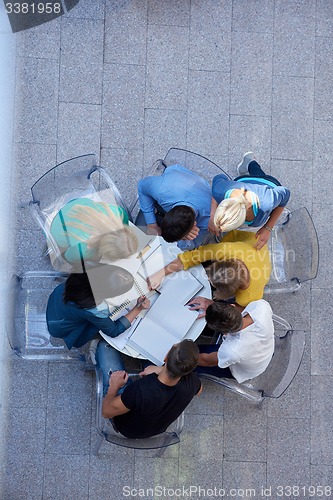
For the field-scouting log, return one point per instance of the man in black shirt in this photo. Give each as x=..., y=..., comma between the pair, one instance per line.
x=148, y=406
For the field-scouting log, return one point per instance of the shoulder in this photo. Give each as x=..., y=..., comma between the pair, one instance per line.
x=191, y=382
x=259, y=309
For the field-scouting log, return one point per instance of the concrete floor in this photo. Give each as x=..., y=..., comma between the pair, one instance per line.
x=126, y=80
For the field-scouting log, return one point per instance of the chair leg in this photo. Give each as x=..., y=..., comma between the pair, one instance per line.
x=161, y=450
x=100, y=439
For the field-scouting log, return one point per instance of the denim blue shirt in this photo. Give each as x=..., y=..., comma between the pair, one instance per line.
x=269, y=197
x=78, y=326
x=176, y=186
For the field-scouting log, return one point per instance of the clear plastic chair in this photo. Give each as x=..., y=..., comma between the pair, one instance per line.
x=26, y=326
x=294, y=252
x=106, y=431
x=287, y=357
x=78, y=177
x=195, y=162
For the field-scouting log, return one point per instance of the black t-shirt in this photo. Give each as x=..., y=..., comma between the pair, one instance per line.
x=154, y=405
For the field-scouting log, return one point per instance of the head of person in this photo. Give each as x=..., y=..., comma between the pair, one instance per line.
x=89, y=289
x=182, y=358
x=177, y=223
x=231, y=213
x=116, y=245
x=108, y=236
x=223, y=318
x=227, y=277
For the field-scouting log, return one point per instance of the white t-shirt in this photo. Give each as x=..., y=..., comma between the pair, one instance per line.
x=249, y=352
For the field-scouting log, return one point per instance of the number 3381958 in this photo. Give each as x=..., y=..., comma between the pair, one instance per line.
x=33, y=8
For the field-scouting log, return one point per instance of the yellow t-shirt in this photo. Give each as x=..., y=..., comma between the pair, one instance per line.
x=237, y=245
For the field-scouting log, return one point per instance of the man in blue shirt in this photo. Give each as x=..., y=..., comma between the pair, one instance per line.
x=183, y=198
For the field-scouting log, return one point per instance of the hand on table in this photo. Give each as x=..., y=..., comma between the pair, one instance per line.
x=155, y=280
x=118, y=379
x=143, y=302
x=199, y=303
x=193, y=233
x=262, y=237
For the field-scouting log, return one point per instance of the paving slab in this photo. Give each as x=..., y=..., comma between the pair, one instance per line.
x=36, y=100
x=251, y=73
x=321, y=429
x=125, y=32
x=292, y=117
x=66, y=476
x=297, y=16
x=173, y=13
x=208, y=110
x=257, y=17
x=79, y=130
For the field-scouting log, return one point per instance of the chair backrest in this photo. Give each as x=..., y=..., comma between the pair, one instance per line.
x=26, y=325
x=107, y=432
x=195, y=162
x=294, y=252
x=287, y=357
x=78, y=177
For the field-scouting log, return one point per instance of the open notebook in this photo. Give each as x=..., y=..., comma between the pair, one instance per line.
x=168, y=320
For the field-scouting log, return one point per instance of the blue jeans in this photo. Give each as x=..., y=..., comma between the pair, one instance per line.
x=255, y=170
x=109, y=360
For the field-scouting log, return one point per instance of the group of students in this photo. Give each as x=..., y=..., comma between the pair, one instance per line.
x=181, y=207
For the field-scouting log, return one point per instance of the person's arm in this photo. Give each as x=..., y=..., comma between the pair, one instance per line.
x=151, y=369
x=103, y=322
x=146, y=188
x=142, y=303
x=263, y=234
x=199, y=303
x=211, y=226
x=156, y=279
x=112, y=404
x=208, y=359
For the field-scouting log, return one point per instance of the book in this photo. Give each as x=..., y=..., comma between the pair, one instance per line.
x=168, y=320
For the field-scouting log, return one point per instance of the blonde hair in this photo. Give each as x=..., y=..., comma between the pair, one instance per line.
x=227, y=277
x=109, y=237
x=231, y=213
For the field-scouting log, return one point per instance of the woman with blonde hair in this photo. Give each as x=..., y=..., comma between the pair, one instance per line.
x=253, y=198
x=87, y=230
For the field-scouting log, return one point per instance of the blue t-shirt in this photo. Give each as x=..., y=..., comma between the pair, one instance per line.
x=176, y=186
x=269, y=196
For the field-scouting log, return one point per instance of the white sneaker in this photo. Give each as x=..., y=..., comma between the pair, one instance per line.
x=92, y=350
x=242, y=168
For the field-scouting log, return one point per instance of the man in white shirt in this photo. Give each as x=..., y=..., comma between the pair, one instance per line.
x=248, y=343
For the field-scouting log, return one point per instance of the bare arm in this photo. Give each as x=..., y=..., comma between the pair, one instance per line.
x=141, y=304
x=264, y=232
x=211, y=226
x=112, y=404
x=155, y=279
x=151, y=369
x=206, y=359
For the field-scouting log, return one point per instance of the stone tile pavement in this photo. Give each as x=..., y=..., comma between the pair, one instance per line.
x=126, y=80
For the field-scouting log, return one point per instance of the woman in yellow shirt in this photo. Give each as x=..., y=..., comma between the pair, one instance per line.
x=236, y=245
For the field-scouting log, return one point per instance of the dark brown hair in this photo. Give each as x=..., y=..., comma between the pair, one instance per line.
x=182, y=358
x=223, y=318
